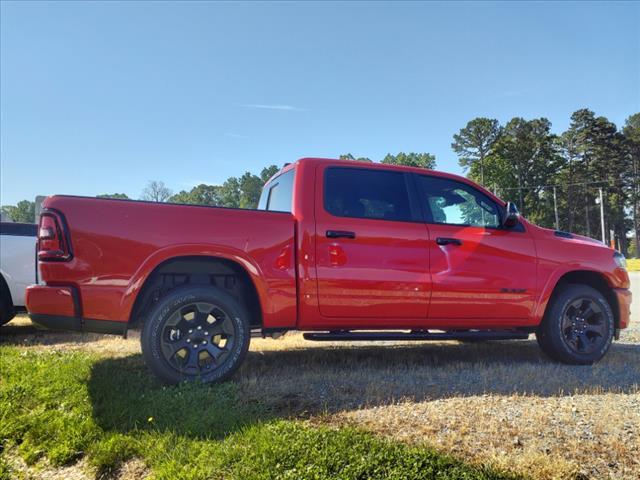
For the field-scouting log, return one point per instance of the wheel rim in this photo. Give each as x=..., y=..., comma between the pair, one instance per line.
x=198, y=338
x=584, y=326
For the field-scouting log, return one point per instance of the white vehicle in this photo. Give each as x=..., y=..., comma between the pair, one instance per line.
x=17, y=266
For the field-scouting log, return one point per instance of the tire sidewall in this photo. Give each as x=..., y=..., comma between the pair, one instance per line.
x=554, y=331
x=151, y=337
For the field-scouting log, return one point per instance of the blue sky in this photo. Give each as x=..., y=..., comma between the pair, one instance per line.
x=103, y=97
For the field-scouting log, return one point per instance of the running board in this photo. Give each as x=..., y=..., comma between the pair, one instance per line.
x=345, y=335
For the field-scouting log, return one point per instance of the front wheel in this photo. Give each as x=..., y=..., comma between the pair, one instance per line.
x=578, y=326
x=195, y=333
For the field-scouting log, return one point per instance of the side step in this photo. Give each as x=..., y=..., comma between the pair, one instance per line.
x=347, y=335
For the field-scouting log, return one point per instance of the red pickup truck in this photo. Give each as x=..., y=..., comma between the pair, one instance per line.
x=341, y=250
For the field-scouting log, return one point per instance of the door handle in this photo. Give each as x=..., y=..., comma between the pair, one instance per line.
x=448, y=241
x=340, y=234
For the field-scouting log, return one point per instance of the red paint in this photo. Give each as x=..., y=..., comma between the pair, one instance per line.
x=472, y=276
x=117, y=244
x=50, y=300
x=392, y=275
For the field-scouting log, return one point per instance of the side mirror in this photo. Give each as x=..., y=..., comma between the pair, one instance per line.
x=511, y=216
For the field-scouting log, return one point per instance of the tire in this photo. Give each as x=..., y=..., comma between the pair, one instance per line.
x=6, y=308
x=195, y=333
x=578, y=327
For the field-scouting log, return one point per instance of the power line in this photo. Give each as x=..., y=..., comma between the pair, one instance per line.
x=557, y=185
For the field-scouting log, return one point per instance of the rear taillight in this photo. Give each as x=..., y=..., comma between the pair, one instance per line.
x=53, y=244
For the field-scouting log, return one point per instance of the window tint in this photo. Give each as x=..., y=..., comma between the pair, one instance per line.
x=277, y=195
x=455, y=203
x=364, y=193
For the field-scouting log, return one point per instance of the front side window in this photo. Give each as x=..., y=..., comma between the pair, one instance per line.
x=277, y=195
x=366, y=193
x=456, y=203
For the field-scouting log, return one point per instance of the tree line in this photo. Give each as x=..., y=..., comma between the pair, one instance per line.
x=557, y=179
x=549, y=176
x=244, y=191
x=235, y=192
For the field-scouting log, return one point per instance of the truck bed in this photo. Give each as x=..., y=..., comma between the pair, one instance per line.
x=117, y=244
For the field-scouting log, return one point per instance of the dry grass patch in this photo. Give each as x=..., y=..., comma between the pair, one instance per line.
x=20, y=332
x=335, y=377
x=502, y=404
x=43, y=471
x=134, y=469
x=593, y=436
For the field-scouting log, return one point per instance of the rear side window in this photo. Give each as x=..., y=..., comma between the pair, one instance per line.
x=364, y=193
x=456, y=203
x=277, y=195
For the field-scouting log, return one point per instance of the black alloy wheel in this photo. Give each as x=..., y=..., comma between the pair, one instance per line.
x=197, y=338
x=584, y=326
x=195, y=333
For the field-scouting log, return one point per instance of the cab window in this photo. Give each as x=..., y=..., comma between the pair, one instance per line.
x=366, y=193
x=455, y=203
x=277, y=195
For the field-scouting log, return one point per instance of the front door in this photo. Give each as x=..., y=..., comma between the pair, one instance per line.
x=479, y=270
x=372, y=256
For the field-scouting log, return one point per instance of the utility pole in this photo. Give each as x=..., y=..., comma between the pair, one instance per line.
x=602, y=216
x=586, y=214
x=555, y=208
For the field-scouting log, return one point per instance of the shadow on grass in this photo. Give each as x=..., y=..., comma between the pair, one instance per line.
x=317, y=380
x=348, y=377
x=126, y=397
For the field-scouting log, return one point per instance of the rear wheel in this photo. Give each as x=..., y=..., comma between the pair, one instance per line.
x=195, y=333
x=578, y=327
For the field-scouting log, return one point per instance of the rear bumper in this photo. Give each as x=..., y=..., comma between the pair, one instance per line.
x=624, y=304
x=55, y=301
x=58, y=308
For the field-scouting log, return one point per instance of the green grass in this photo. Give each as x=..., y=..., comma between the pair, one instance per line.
x=633, y=264
x=64, y=406
x=5, y=470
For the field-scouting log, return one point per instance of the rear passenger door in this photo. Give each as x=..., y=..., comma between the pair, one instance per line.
x=371, y=246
